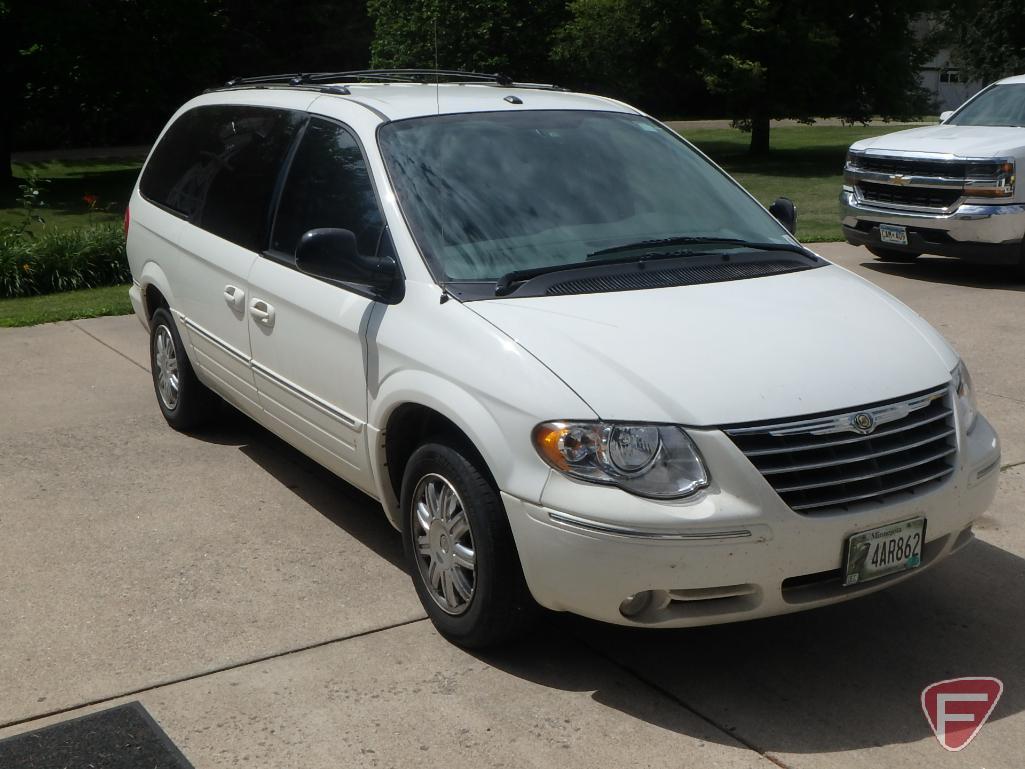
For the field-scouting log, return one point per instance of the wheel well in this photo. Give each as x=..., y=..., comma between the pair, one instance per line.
x=154, y=299
x=409, y=426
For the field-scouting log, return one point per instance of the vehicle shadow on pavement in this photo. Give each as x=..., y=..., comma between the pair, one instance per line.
x=953, y=272
x=834, y=679
x=840, y=678
x=344, y=505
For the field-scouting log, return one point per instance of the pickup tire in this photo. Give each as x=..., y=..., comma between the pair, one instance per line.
x=460, y=549
x=890, y=255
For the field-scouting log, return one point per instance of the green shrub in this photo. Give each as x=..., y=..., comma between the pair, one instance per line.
x=62, y=260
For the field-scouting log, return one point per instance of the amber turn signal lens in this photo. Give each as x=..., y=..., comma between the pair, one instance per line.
x=547, y=439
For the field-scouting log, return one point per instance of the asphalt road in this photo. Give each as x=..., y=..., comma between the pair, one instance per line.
x=258, y=609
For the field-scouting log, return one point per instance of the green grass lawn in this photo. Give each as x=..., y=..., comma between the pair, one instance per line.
x=110, y=180
x=70, y=305
x=805, y=165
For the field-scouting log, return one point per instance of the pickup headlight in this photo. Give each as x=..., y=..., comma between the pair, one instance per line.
x=851, y=163
x=658, y=461
x=964, y=392
x=990, y=179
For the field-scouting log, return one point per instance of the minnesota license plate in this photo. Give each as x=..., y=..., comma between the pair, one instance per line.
x=887, y=550
x=893, y=233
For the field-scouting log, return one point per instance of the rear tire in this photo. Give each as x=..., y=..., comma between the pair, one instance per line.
x=185, y=402
x=460, y=549
x=891, y=255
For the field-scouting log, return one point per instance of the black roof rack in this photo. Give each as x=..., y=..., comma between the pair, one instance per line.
x=382, y=76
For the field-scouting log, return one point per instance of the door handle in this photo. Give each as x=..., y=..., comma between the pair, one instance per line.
x=235, y=297
x=262, y=312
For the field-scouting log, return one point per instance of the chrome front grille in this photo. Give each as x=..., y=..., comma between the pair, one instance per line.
x=910, y=166
x=878, y=454
x=922, y=197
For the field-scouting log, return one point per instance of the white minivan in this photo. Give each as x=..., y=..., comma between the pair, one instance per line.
x=576, y=363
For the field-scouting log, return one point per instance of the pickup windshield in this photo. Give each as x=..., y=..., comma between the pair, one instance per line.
x=1001, y=105
x=487, y=194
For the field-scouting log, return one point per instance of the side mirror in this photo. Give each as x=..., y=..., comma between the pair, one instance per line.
x=945, y=116
x=331, y=254
x=786, y=213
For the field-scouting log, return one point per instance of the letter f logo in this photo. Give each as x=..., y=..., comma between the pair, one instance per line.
x=957, y=708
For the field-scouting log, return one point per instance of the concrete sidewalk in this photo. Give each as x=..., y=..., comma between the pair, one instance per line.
x=258, y=609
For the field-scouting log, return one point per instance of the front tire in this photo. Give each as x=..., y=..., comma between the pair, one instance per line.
x=460, y=549
x=184, y=401
x=891, y=255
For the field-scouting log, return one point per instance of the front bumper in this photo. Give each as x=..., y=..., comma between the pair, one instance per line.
x=987, y=234
x=733, y=552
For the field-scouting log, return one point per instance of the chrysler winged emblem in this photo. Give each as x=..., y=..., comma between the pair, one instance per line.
x=863, y=423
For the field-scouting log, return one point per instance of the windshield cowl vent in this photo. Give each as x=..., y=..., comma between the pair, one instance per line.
x=678, y=276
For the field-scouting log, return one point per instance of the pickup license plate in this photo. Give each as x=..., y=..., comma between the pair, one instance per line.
x=893, y=233
x=886, y=550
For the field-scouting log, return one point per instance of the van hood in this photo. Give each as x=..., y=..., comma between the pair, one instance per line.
x=961, y=141
x=742, y=351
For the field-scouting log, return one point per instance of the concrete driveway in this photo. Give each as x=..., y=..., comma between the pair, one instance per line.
x=258, y=608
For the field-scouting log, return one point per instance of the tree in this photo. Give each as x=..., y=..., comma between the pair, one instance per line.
x=100, y=72
x=275, y=36
x=507, y=36
x=641, y=51
x=793, y=59
x=988, y=37
x=754, y=59
x=94, y=72
x=8, y=91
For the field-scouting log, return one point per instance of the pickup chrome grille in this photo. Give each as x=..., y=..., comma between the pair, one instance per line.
x=924, y=197
x=878, y=454
x=912, y=166
x=934, y=185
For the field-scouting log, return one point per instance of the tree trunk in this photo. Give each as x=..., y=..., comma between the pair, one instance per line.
x=759, y=135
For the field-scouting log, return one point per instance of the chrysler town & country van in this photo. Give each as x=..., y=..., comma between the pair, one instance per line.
x=577, y=364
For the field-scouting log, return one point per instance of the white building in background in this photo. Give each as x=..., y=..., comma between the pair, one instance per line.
x=943, y=80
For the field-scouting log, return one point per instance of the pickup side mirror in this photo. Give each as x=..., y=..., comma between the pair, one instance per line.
x=786, y=213
x=331, y=254
x=945, y=116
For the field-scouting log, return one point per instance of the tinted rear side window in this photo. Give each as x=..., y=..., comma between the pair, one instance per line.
x=217, y=166
x=328, y=186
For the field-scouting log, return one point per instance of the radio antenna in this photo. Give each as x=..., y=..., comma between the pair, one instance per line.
x=437, y=78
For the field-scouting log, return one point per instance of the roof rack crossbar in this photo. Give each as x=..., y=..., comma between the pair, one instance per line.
x=406, y=75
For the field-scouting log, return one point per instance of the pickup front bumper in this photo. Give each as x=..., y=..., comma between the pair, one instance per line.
x=987, y=234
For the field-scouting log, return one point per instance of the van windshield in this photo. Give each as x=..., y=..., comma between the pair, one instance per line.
x=1001, y=105
x=486, y=194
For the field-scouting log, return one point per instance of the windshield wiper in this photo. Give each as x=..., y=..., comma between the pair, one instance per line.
x=508, y=282
x=686, y=240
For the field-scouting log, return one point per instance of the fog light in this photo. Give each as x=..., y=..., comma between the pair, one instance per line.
x=634, y=604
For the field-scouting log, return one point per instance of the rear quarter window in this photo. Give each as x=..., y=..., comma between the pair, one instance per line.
x=217, y=167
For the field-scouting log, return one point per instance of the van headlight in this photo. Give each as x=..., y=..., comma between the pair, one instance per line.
x=658, y=461
x=964, y=392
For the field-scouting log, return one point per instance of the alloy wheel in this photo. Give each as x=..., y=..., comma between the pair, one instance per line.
x=166, y=359
x=444, y=544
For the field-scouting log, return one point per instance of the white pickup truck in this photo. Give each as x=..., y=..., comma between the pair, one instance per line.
x=947, y=189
